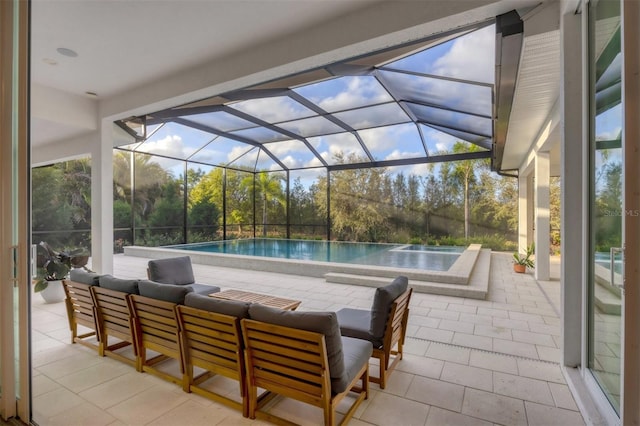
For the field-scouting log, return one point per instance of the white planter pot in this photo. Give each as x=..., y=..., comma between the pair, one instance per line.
x=54, y=293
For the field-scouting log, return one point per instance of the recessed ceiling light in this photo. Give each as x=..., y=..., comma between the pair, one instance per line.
x=50, y=61
x=67, y=52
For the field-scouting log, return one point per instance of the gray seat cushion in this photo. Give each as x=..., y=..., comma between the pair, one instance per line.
x=83, y=276
x=234, y=308
x=356, y=354
x=118, y=284
x=174, y=270
x=167, y=292
x=382, y=302
x=204, y=289
x=318, y=322
x=355, y=323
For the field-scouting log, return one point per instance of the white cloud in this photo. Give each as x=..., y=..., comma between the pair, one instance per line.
x=383, y=138
x=209, y=156
x=168, y=145
x=280, y=149
x=374, y=116
x=273, y=110
x=441, y=141
x=360, y=91
x=331, y=145
x=315, y=162
x=415, y=169
x=397, y=155
x=378, y=137
x=609, y=135
x=236, y=152
x=291, y=162
x=469, y=57
x=335, y=149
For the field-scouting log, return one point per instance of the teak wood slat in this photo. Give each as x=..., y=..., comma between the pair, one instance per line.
x=155, y=328
x=114, y=320
x=213, y=342
x=395, y=330
x=262, y=299
x=81, y=311
x=293, y=363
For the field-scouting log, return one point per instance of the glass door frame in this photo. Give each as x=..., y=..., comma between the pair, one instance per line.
x=606, y=177
x=15, y=284
x=630, y=326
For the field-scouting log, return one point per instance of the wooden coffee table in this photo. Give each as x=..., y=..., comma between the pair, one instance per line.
x=263, y=299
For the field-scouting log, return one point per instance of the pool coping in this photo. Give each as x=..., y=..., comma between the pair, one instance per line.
x=477, y=287
x=458, y=273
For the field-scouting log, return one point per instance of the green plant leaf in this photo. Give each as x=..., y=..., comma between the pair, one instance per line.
x=41, y=284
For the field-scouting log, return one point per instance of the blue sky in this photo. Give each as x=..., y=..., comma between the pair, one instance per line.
x=470, y=57
x=608, y=126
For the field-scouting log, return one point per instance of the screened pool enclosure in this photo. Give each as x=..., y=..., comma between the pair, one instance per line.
x=341, y=151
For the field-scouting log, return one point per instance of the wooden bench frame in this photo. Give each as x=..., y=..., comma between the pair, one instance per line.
x=113, y=319
x=213, y=342
x=393, y=341
x=81, y=311
x=294, y=363
x=155, y=327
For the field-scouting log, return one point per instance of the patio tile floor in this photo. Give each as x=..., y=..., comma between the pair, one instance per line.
x=467, y=361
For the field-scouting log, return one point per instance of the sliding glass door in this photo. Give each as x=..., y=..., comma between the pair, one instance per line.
x=607, y=207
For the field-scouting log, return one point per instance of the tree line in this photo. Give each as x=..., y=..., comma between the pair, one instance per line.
x=446, y=203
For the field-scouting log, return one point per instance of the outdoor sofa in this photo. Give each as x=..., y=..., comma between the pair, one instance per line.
x=306, y=356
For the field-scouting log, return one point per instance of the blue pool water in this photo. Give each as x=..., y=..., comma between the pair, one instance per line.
x=434, y=258
x=604, y=259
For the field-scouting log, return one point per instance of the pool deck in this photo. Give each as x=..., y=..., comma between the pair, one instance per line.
x=467, y=277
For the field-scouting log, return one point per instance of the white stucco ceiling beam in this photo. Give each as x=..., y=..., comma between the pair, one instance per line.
x=58, y=115
x=537, y=86
x=63, y=107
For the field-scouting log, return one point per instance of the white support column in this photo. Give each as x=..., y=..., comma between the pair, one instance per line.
x=102, y=202
x=574, y=189
x=524, y=202
x=542, y=227
x=531, y=214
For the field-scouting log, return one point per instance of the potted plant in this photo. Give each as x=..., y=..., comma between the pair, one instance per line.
x=523, y=261
x=54, y=266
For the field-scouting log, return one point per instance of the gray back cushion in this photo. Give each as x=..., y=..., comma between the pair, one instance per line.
x=174, y=270
x=319, y=322
x=118, y=284
x=226, y=307
x=382, y=302
x=83, y=276
x=167, y=292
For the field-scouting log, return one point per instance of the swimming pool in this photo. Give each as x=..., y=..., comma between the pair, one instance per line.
x=604, y=259
x=433, y=258
x=370, y=270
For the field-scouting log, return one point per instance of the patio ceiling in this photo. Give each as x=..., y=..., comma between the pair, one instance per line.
x=405, y=105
